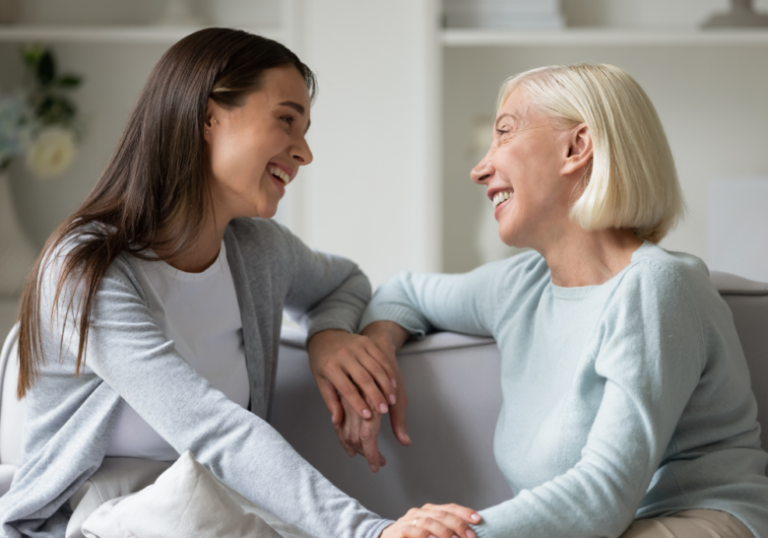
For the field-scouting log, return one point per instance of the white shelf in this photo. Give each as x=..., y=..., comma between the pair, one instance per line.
x=594, y=36
x=111, y=34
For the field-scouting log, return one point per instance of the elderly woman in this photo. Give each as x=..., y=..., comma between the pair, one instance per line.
x=627, y=402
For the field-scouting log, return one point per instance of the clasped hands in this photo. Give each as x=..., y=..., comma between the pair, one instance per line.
x=360, y=380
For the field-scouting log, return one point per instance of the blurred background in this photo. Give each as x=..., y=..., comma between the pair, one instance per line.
x=407, y=93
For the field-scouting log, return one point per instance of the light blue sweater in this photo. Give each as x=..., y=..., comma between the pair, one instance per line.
x=626, y=400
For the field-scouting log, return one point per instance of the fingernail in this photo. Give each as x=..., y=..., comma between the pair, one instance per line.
x=470, y=534
x=431, y=536
x=394, y=383
x=383, y=408
x=475, y=517
x=374, y=469
x=366, y=413
x=392, y=399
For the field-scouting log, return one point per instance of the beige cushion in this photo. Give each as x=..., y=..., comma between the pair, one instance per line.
x=186, y=500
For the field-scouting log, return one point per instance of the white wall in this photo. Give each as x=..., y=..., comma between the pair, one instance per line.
x=371, y=193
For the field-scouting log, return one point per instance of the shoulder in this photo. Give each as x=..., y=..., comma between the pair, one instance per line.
x=660, y=280
x=119, y=273
x=657, y=268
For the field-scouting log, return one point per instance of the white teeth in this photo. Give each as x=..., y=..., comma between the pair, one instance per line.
x=500, y=197
x=280, y=174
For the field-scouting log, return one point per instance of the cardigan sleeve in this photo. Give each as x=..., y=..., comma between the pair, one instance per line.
x=129, y=353
x=325, y=291
x=649, y=357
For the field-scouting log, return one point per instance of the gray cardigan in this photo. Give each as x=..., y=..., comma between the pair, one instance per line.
x=70, y=419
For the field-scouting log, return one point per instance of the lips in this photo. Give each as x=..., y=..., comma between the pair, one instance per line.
x=500, y=197
x=278, y=173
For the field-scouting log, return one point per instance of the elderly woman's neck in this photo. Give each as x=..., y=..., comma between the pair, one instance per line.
x=585, y=258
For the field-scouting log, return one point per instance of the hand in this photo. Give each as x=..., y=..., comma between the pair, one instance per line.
x=389, y=337
x=342, y=362
x=434, y=521
x=359, y=436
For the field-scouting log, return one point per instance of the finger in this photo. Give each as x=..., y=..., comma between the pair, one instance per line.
x=412, y=531
x=434, y=527
x=368, y=386
x=398, y=418
x=389, y=364
x=462, y=512
x=350, y=392
x=371, y=451
x=348, y=448
x=381, y=377
x=457, y=525
x=332, y=402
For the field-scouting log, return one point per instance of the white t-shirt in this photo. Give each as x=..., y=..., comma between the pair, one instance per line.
x=200, y=314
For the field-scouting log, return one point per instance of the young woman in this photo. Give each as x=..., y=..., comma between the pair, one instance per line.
x=150, y=324
x=627, y=401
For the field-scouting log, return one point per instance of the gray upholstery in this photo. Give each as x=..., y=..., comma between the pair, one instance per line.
x=455, y=397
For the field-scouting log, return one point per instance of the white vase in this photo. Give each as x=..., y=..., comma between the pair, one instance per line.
x=16, y=251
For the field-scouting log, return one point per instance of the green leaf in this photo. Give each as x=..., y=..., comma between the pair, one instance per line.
x=53, y=110
x=69, y=81
x=32, y=53
x=46, y=69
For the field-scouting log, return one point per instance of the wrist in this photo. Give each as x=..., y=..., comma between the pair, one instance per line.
x=319, y=337
x=387, y=334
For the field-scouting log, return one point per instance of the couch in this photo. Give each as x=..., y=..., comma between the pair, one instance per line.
x=455, y=397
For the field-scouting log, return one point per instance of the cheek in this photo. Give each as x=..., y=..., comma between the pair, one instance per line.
x=236, y=160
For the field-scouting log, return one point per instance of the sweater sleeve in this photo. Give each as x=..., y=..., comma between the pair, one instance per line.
x=423, y=303
x=648, y=357
x=326, y=291
x=130, y=353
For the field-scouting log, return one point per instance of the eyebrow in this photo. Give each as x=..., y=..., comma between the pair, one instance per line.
x=294, y=105
x=298, y=108
x=514, y=117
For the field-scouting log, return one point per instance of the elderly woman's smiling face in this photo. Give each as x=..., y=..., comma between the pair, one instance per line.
x=529, y=172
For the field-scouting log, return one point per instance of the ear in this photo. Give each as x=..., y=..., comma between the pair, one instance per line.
x=579, y=150
x=210, y=119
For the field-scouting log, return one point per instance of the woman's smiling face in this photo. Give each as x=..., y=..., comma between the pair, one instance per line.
x=522, y=172
x=256, y=149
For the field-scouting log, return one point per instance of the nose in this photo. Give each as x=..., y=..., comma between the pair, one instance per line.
x=301, y=153
x=483, y=170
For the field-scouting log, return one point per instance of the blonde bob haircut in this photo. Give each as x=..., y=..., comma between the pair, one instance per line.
x=632, y=182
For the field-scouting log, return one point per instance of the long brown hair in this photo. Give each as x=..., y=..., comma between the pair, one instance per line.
x=156, y=179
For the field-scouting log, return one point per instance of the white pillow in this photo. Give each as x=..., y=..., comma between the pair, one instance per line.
x=186, y=500
x=116, y=477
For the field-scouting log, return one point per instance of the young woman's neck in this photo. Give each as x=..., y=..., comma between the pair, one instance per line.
x=581, y=258
x=204, y=251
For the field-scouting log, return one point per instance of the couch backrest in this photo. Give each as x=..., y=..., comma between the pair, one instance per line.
x=748, y=301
